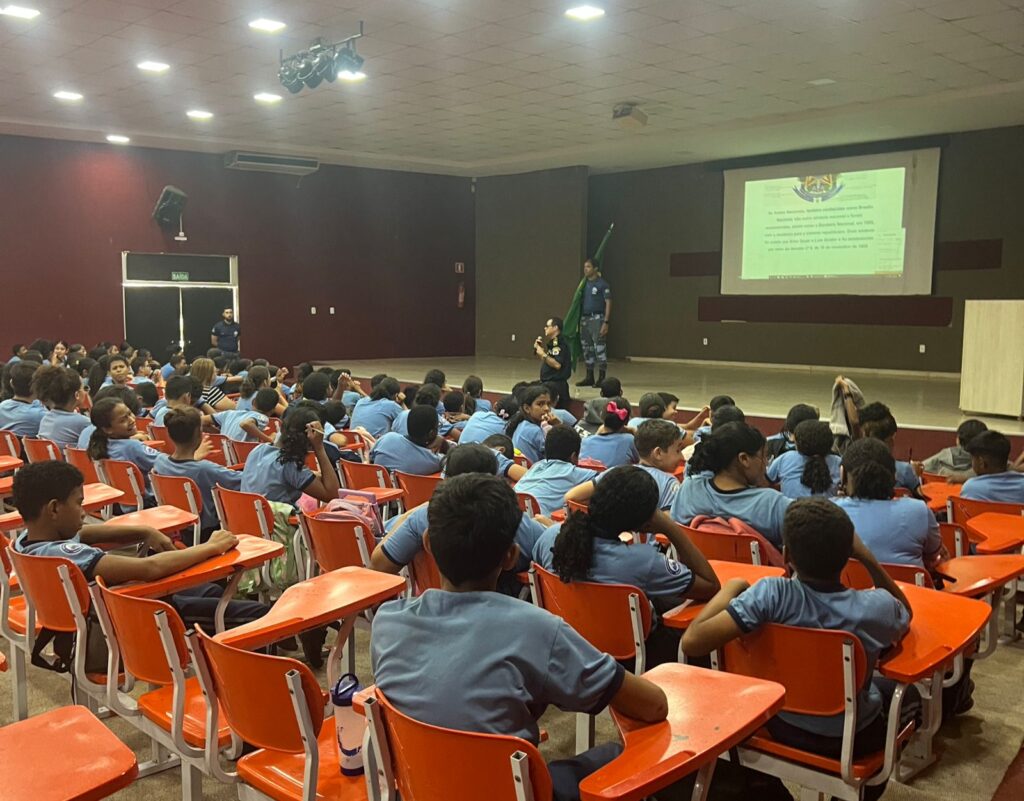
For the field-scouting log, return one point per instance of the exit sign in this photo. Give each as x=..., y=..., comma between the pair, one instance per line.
x=179, y=275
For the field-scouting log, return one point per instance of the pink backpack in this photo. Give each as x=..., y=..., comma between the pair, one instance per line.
x=719, y=525
x=355, y=506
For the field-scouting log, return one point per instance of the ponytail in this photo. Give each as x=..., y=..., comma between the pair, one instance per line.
x=526, y=398
x=102, y=416
x=616, y=414
x=719, y=449
x=98, y=443
x=814, y=442
x=97, y=375
x=573, y=551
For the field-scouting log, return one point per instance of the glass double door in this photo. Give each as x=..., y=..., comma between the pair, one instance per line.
x=163, y=317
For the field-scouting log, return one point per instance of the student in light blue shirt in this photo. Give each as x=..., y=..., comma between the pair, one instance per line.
x=483, y=424
x=426, y=395
x=175, y=364
x=812, y=469
x=248, y=426
x=525, y=426
x=785, y=441
x=518, y=659
x=61, y=390
x=115, y=437
x=412, y=453
x=990, y=453
x=819, y=539
x=567, y=417
x=377, y=412
x=549, y=479
x=728, y=465
x=612, y=445
x=21, y=414
x=877, y=421
x=473, y=388
x=900, y=531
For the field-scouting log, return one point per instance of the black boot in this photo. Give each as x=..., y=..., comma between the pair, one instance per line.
x=589, y=380
x=600, y=377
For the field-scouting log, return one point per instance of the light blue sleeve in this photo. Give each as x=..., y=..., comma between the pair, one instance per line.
x=402, y=544
x=579, y=678
x=772, y=472
x=143, y=455
x=666, y=577
x=757, y=605
x=229, y=479
x=297, y=477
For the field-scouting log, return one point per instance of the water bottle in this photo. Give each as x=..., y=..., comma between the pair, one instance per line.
x=350, y=725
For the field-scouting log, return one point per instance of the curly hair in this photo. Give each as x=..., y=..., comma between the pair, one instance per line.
x=717, y=450
x=56, y=386
x=870, y=469
x=293, y=442
x=814, y=441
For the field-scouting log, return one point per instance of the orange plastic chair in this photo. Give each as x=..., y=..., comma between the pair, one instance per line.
x=337, y=543
x=788, y=655
x=356, y=442
x=273, y=426
x=953, y=538
x=222, y=453
x=181, y=492
x=10, y=449
x=42, y=450
x=244, y=512
x=242, y=449
x=960, y=511
x=527, y=503
x=725, y=547
x=79, y=457
x=161, y=439
x=297, y=745
x=371, y=478
x=127, y=477
x=143, y=423
x=856, y=576
x=15, y=619
x=933, y=478
x=522, y=461
x=418, y=489
x=406, y=754
x=424, y=572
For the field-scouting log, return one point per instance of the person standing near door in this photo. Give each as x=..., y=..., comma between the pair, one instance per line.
x=597, y=309
x=225, y=335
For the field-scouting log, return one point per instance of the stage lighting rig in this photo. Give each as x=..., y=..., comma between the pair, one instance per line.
x=322, y=62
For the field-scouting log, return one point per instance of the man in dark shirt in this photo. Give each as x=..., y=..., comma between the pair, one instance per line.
x=597, y=309
x=225, y=335
x=553, y=353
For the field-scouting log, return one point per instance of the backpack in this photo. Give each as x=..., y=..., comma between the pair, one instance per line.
x=770, y=555
x=356, y=506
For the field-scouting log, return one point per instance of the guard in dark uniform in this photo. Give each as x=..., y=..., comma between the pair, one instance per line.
x=553, y=351
x=594, y=320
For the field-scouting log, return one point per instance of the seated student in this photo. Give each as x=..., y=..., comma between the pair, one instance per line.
x=525, y=426
x=176, y=365
x=564, y=415
x=714, y=405
x=473, y=387
x=114, y=438
x=954, y=462
x=549, y=479
x=22, y=412
x=783, y=442
x=405, y=533
x=819, y=539
x=426, y=395
x=142, y=371
x=725, y=413
x=411, y=453
x=110, y=370
x=812, y=469
x=257, y=378
x=502, y=447
x=651, y=407
x=148, y=397
x=438, y=379
x=727, y=466
x=248, y=426
x=878, y=422
x=586, y=547
x=61, y=390
x=185, y=429
x=181, y=392
x=993, y=480
x=900, y=531
x=612, y=444
x=456, y=412
x=49, y=497
x=483, y=423
x=316, y=387
x=122, y=394
x=206, y=371
x=594, y=409
x=517, y=658
x=84, y=368
x=378, y=411
x=346, y=388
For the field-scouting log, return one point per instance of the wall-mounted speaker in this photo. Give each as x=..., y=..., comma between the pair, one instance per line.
x=169, y=207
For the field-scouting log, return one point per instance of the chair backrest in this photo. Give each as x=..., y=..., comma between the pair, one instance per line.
x=359, y=475
x=424, y=572
x=253, y=692
x=143, y=423
x=933, y=478
x=335, y=543
x=242, y=449
x=40, y=580
x=273, y=426
x=42, y=450
x=856, y=576
x=159, y=434
x=901, y=492
x=485, y=761
x=789, y=654
x=138, y=638
x=725, y=547
x=418, y=489
x=599, y=612
x=180, y=492
x=10, y=445
x=954, y=538
x=124, y=476
x=521, y=460
x=527, y=503
x=79, y=457
x=221, y=453
x=244, y=512
x=963, y=509
x=911, y=574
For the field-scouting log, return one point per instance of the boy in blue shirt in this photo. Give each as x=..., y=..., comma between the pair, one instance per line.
x=552, y=477
x=247, y=426
x=517, y=658
x=819, y=539
x=412, y=453
x=22, y=413
x=993, y=481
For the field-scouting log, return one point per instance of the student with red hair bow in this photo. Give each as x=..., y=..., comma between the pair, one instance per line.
x=613, y=444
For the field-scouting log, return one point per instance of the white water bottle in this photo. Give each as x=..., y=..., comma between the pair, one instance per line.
x=350, y=725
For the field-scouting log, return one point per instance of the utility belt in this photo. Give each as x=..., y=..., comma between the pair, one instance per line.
x=594, y=316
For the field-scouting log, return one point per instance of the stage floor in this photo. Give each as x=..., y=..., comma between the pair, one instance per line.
x=916, y=401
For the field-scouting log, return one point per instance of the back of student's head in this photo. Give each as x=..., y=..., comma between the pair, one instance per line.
x=36, y=484
x=797, y=414
x=315, y=386
x=125, y=394
x=506, y=407
x=138, y=364
x=519, y=387
x=256, y=379
x=719, y=449
x=334, y=413
x=42, y=346
x=435, y=377
x=183, y=425
x=616, y=414
x=624, y=499
x=721, y=400
x=818, y=537
x=56, y=386
x=869, y=470
x=611, y=388
x=668, y=398
x=422, y=424
x=376, y=379
x=387, y=387
x=293, y=442
x=470, y=458
x=502, y=443
x=454, y=402
x=814, y=441
x=554, y=392
x=472, y=521
x=726, y=414
x=239, y=366
x=148, y=396
x=656, y=433
x=992, y=447
x=473, y=386
x=562, y=443
x=877, y=421
x=965, y=432
x=205, y=370
x=177, y=387
x=651, y=406
x=427, y=395
x=265, y=401
x=84, y=367
x=20, y=377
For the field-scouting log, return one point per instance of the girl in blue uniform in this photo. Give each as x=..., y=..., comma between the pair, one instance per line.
x=60, y=389
x=378, y=411
x=525, y=427
x=485, y=423
x=473, y=388
x=612, y=445
x=115, y=438
x=812, y=469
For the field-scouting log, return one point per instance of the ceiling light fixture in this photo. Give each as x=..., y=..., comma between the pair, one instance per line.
x=153, y=66
x=584, y=13
x=199, y=114
x=322, y=62
x=267, y=25
x=266, y=97
x=118, y=139
x=70, y=97
x=19, y=11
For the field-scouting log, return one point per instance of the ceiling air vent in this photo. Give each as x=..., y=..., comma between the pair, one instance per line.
x=265, y=162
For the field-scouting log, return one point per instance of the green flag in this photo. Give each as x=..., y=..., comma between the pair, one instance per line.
x=571, y=329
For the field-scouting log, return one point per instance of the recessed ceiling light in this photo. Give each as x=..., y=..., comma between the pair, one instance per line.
x=71, y=97
x=352, y=77
x=19, y=11
x=821, y=82
x=266, y=97
x=584, y=13
x=199, y=114
x=266, y=25
x=153, y=66
x=118, y=139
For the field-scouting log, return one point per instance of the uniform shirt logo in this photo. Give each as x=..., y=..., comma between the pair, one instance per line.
x=71, y=547
x=674, y=566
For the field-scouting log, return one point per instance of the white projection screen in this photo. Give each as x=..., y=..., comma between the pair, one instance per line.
x=863, y=225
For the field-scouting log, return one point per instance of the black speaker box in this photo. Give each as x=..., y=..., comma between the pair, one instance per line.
x=169, y=207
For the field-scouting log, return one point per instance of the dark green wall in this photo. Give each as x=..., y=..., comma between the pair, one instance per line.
x=679, y=209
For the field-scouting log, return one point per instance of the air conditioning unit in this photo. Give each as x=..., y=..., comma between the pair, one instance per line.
x=265, y=162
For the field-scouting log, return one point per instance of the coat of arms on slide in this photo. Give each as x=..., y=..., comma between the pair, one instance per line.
x=818, y=188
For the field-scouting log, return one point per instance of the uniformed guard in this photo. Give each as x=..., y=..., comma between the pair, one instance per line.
x=594, y=319
x=553, y=352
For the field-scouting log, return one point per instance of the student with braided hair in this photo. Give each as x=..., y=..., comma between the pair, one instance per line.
x=812, y=469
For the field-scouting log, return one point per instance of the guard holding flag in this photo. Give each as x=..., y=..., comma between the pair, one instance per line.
x=594, y=318
x=556, y=362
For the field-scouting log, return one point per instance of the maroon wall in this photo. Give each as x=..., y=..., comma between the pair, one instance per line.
x=379, y=245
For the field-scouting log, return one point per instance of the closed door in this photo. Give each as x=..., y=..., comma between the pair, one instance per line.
x=201, y=308
x=152, y=318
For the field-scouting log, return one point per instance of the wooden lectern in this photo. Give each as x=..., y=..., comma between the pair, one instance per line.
x=992, y=370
